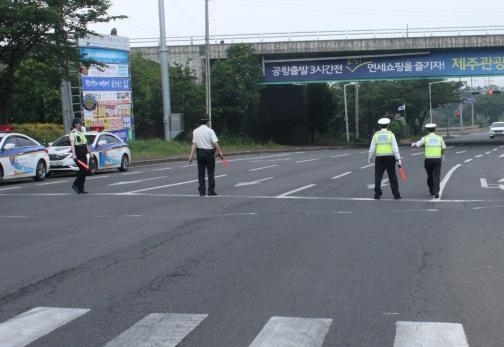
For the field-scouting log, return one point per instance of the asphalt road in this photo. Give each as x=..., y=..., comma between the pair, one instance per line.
x=293, y=252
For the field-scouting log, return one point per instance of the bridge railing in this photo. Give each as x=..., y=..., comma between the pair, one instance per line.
x=323, y=35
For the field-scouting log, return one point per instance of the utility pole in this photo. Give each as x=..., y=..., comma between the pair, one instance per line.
x=165, y=74
x=357, y=111
x=207, y=66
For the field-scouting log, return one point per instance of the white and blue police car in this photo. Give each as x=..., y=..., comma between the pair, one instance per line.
x=107, y=152
x=21, y=156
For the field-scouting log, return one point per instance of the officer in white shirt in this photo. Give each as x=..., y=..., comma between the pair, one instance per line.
x=205, y=143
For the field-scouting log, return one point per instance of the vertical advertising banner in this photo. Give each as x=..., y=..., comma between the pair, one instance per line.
x=106, y=84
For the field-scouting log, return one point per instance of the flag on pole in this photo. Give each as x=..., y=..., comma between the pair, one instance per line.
x=401, y=108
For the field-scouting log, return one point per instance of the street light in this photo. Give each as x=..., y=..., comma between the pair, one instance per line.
x=430, y=97
x=208, y=85
x=346, y=110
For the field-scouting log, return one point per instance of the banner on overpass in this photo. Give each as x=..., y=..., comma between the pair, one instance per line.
x=449, y=63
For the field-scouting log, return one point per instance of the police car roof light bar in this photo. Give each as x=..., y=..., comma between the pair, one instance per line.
x=7, y=128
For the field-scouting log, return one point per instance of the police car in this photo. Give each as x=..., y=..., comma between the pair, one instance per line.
x=107, y=152
x=21, y=156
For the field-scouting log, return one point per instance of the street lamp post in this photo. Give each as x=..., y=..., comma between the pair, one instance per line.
x=165, y=77
x=208, y=85
x=430, y=97
x=346, y=110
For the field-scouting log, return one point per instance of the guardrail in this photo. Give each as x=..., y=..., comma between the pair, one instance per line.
x=322, y=35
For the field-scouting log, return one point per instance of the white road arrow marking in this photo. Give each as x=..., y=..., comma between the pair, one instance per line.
x=383, y=184
x=484, y=183
x=501, y=180
x=243, y=184
x=137, y=181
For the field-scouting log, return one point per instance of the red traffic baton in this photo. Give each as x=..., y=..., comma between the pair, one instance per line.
x=402, y=173
x=83, y=165
x=225, y=163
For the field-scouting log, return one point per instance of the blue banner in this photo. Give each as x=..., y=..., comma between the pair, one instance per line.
x=105, y=84
x=105, y=56
x=450, y=63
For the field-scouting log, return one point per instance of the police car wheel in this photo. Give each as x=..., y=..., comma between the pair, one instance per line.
x=124, y=163
x=93, y=166
x=40, y=171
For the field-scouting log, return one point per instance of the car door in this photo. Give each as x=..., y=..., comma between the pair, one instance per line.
x=21, y=161
x=114, y=150
x=107, y=152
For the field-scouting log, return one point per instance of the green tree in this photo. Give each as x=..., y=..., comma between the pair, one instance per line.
x=320, y=108
x=235, y=89
x=44, y=31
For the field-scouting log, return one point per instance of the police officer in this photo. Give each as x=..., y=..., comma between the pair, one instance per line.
x=78, y=142
x=205, y=143
x=434, y=151
x=384, y=148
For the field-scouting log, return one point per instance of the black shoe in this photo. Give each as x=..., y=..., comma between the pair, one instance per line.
x=212, y=194
x=397, y=197
x=377, y=197
x=431, y=192
x=202, y=194
x=77, y=190
x=436, y=196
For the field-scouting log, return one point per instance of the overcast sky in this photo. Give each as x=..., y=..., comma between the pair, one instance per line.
x=187, y=17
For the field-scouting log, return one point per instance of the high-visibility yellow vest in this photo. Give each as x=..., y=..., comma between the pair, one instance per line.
x=383, y=142
x=79, y=138
x=433, y=146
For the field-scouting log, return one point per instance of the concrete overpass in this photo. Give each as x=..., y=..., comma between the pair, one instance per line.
x=193, y=55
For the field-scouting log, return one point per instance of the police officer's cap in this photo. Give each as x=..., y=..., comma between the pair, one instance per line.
x=430, y=126
x=383, y=121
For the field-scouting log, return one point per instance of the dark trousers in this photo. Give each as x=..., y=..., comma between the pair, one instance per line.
x=206, y=162
x=80, y=153
x=381, y=164
x=433, y=169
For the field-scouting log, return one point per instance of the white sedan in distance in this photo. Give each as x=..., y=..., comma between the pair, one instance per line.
x=107, y=152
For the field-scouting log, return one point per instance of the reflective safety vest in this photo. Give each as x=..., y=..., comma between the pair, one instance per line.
x=433, y=146
x=79, y=138
x=383, y=142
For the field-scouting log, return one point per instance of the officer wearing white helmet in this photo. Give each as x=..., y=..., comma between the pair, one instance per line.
x=434, y=151
x=384, y=148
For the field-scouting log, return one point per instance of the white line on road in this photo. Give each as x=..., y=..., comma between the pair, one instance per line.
x=342, y=175
x=468, y=160
x=479, y=155
x=52, y=182
x=334, y=212
x=137, y=181
x=271, y=160
x=495, y=149
x=296, y=190
x=263, y=168
x=460, y=152
x=341, y=155
x=10, y=188
x=120, y=216
x=487, y=207
x=488, y=152
x=416, y=154
x=501, y=156
x=449, y=147
x=383, y=183
x=428, y=334
x=158, y=329
x=307, y=160
x=35, y=323
x=132, y=173
x=363, y=152
x=14, y=217
x=164, y=186
x=484, y=183
x=412, y=211
x=446, y=178
x=97, y=177
x=163, y=169
x=234, y=214
x=365, y=167
x=292, y=331
x=244, y=184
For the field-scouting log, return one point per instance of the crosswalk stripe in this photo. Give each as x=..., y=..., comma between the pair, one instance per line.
x=35, y=323
x=427, y=334
x=293, y=332
x=158, y=330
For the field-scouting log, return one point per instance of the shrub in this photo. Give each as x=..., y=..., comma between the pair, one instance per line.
x=42, y=132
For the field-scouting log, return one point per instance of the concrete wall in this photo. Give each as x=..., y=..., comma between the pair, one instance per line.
x=194, y=55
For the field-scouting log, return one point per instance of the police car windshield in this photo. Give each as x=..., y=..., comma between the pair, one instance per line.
x=499, y=124
x=65, y=141
x=1, y=137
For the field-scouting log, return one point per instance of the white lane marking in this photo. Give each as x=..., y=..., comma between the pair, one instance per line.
x=307, y=160
x=52, y=182
x=488, y=152
x=427, y=334
x=501, y=180
x=365, y=167
x=296, y=190
x=132, y=173
x=35, y=323
x=413, y=211
x=158, y=330
x=120, y=216
x=467, y=161
x=137, y=181
x=335, y=212
x=446, y=178
x=342, y=175
x=234, y=214
x=98, y=177
x=292, y=331
x=487, y=207
x=271, y=160
x=416, y=154
x=484, y=183
x=164, y=186
x=13, y=217
x=383, y=184
x=495, y=149
x=263, y=168
x=501, y=156
x=341, y=155
x=10, y=188
x=363, y=152
x=163, y=169
x=251, y=183
x=479, y=155
x=449, y=147
x=460, y=152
